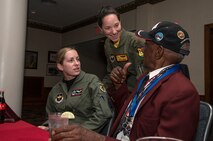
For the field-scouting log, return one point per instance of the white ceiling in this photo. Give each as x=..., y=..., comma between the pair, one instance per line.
x=61, y=13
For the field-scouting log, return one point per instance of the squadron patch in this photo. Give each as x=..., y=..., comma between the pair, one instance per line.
x=140, y=52
x=112, y=58
x=77, y=92
x=59, y=98
x=159, y=36
x=102, y=87
x=122, y=58
x=180, y=35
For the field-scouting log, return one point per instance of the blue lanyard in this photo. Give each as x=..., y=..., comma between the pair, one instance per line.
x=165, y=72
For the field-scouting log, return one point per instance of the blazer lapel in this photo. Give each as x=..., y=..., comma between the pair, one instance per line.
x=152, y=91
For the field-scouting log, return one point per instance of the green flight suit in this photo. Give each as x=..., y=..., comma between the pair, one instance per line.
x=128, y=50
x=86, y=99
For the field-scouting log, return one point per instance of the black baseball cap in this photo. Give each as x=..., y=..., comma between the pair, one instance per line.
x=169, y=35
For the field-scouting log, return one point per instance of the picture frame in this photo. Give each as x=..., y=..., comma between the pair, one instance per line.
x=52, y=70
x=31, y=60
x=52, y=56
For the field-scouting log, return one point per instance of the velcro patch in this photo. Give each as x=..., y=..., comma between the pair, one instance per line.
x=122, y=58
x=77, y=92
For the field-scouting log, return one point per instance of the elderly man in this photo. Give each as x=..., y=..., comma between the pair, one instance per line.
x=163, y=103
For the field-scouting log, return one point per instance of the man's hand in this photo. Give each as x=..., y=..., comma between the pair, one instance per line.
x=118, y=75
x=75, y=133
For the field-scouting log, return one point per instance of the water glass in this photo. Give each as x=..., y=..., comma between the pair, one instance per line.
x=55, y=121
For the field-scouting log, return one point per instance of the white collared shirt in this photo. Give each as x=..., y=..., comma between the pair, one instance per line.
x=155, y=72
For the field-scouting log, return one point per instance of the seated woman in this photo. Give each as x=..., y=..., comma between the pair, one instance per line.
x=80, y=93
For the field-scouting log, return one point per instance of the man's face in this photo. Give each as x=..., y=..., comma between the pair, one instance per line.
x=111, y=27
x=149, y=61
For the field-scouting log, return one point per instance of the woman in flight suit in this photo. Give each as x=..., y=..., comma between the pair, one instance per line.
x=81, y=93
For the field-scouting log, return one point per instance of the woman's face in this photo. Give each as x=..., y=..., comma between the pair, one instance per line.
x=71, y=65
x=111, y=27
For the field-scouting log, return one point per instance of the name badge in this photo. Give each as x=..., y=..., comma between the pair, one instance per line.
x=121, y=58
x=77, y=92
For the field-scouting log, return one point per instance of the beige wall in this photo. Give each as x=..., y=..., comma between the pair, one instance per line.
x=80, y=35
x=42, y=41
x=191, y=14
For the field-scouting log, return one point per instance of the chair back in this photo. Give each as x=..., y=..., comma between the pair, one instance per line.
x=205, y=120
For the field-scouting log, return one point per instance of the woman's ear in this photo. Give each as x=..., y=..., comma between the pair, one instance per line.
x=60, y=67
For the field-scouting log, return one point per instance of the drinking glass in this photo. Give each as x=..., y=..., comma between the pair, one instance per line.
x=157, y=138
x=55, y=121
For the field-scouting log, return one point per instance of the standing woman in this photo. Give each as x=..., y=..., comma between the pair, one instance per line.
x=120, y=46
x=81, y=93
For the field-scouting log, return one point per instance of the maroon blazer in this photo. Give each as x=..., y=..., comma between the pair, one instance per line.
x=170, y=108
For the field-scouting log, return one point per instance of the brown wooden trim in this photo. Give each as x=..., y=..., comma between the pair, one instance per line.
x=202, y=98
x=38, y=25
x=207, y=62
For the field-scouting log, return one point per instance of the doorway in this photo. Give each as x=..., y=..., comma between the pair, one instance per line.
x=208, y=49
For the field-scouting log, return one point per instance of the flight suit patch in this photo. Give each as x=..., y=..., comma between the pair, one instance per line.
x=77, y=92
x=112, y=58
x=122, y=58
x=59, y=98
x=140, y=52
x=102, y=87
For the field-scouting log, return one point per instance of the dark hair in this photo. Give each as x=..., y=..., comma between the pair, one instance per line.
x=106, y=10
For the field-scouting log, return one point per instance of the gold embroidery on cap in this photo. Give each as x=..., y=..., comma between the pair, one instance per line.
x=180, y=35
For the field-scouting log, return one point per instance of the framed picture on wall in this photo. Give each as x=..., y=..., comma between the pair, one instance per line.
x=52, y=56
x=31, y=60
x=52, y=70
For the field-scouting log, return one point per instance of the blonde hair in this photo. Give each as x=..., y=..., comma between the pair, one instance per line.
x=61, y=53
